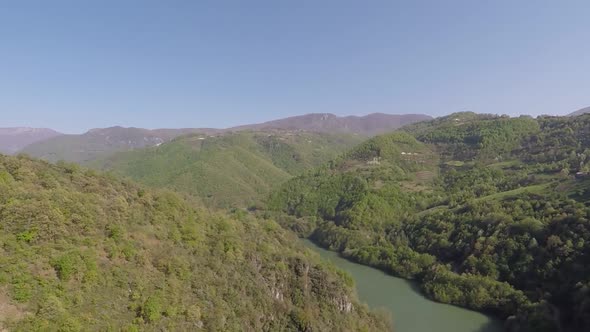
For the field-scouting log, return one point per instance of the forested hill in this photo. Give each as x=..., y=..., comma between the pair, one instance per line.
x=232, y=169
x=487, y=212
x=86, y=252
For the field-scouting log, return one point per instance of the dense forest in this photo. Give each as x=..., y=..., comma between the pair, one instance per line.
x=231, y=169
x=486, y=212
x=84, y=251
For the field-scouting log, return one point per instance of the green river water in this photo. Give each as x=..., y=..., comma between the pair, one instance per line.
x=411, y=311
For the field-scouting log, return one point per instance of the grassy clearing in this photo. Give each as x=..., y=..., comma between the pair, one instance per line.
x=455, y=163
x=534, y=189
x=505, y=164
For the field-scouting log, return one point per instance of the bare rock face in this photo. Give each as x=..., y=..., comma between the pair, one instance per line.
x=14, y=139
x=343, y=304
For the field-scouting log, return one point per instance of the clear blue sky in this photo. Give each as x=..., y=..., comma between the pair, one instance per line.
x=75, y=65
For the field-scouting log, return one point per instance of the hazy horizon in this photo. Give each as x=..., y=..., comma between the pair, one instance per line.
x=240, y=124
x=72, y=67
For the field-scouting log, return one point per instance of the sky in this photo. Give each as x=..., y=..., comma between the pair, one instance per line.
x=81, y=64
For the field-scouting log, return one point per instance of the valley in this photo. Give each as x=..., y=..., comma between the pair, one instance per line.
x=69, y=231
x=490, y=228
x=84, y=251
x=410, y=309
x=294, y=166
x=476, y=210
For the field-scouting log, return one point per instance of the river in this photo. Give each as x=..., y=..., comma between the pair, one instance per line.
x=411, y=311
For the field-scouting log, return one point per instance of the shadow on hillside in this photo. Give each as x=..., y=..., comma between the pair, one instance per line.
x=492, y=326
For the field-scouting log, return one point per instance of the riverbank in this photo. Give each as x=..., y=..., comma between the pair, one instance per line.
x=411, y=311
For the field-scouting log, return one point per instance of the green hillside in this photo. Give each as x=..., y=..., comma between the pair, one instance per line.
x=228, y=170
x=86, y=252
x=487, y=212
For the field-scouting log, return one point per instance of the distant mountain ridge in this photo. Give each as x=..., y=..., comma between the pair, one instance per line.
x=580, y=111
x=14, y=139
x=368, y=125
x=100, y=142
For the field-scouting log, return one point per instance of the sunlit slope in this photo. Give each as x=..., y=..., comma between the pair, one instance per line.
x=487, y=212
x=87, y=252
x=234, y=169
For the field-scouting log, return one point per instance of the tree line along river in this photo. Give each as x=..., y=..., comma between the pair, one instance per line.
x=411, y=311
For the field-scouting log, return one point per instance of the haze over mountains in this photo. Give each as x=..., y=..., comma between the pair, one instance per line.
x=368, y=125
x=580, y=111
x=98, y=143
x=14, y=139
